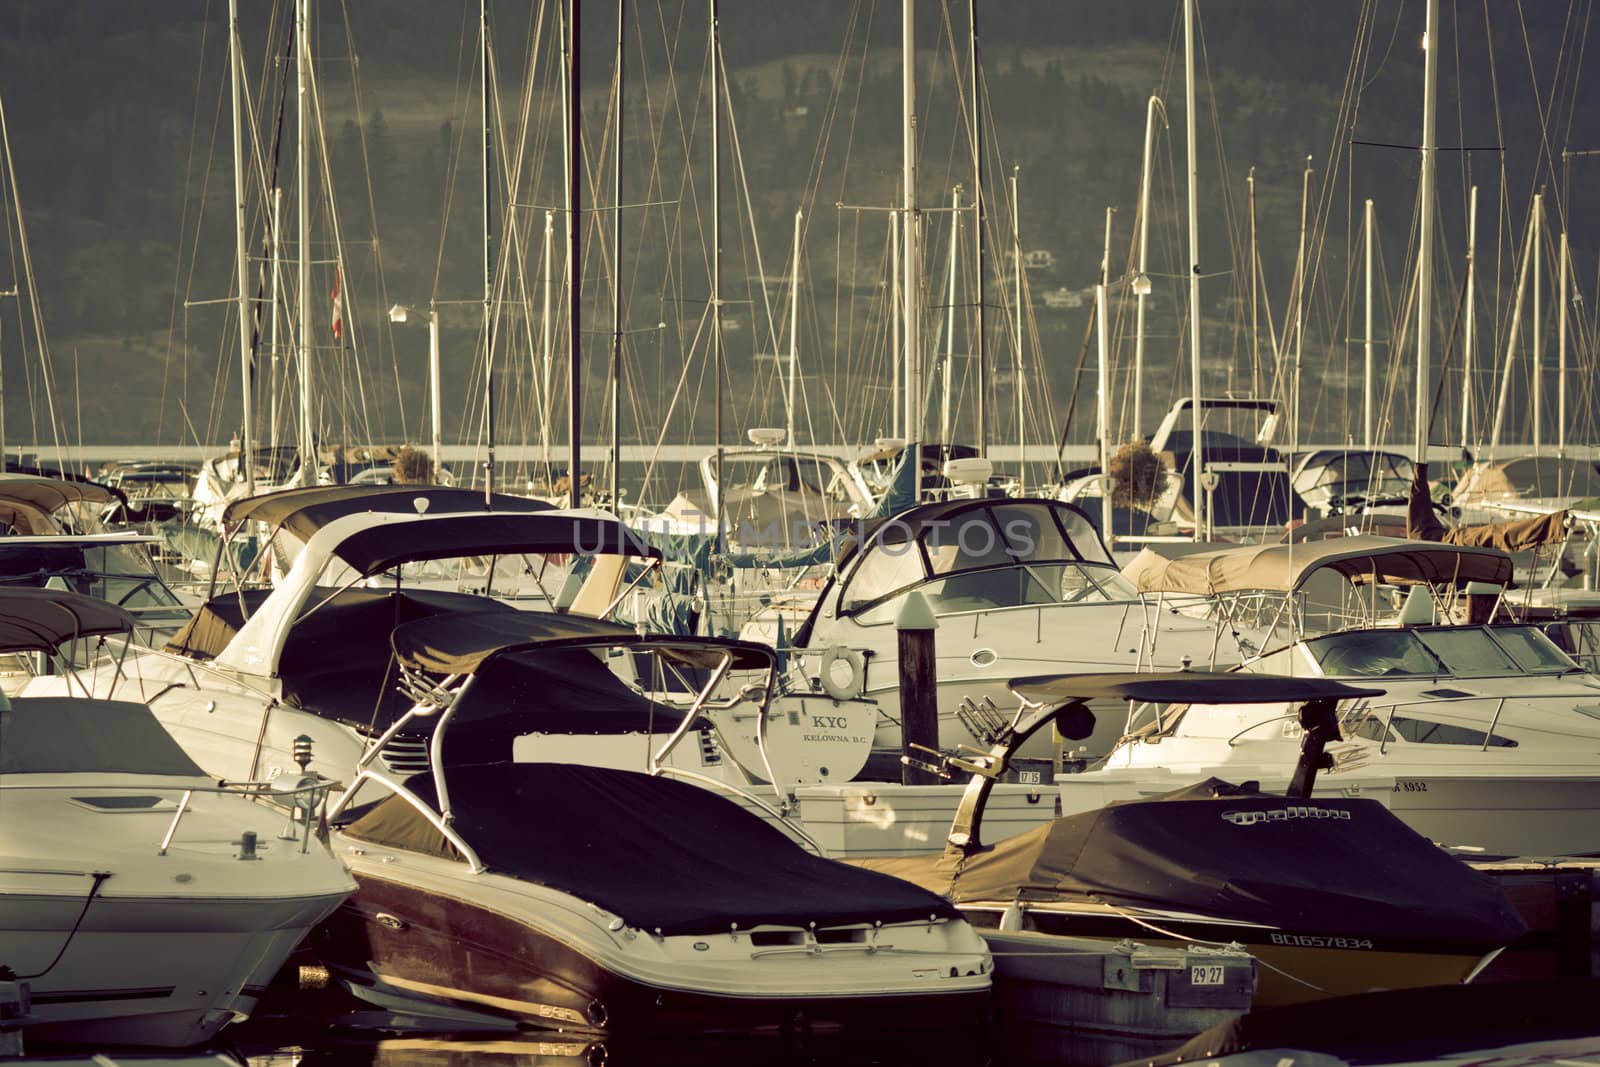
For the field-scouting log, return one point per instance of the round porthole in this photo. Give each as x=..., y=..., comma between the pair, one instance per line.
x=984, y=657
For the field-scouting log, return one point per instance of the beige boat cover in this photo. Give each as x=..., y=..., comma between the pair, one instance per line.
x=1528, y=477
x=1283, y=568
x=1514, y=536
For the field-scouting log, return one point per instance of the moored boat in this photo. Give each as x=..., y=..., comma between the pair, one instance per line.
x=616, y=902
x=142, y=902
x=1331, y=895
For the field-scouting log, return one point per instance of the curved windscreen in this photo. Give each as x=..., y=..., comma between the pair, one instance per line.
x=985, y=555
x=1464, y=651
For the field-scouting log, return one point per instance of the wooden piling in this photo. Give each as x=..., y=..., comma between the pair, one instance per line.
x=919, y=689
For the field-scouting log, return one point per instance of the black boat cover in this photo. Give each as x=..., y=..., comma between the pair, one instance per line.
x=40, y=620
x=304, y=511
x=664, y=855
x=336, y=658
x=460, y=644
x=380, y=547
x=79, y=735
x=1337, y=867
x=561, y=690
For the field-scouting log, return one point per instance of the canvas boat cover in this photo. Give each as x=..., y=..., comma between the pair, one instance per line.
x=41, y=620
x=386, y=545
x=1528, y=477
x=1339, y=867
x=1515, y=535
x=77, y=735
x=664, y=855
x=1284, y=568
x=458, y=644
x=305, y=511
x=49, y=494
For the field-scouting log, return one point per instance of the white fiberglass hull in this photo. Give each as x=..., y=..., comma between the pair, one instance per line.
x=164, y=972
x=979, y=652
x=122, y=942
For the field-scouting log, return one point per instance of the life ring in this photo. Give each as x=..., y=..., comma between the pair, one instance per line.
x=850, y=687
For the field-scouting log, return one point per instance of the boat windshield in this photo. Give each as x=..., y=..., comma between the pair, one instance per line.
x=1013, y=587
x=983, y=557
x=785, y=473
x=1461, y=651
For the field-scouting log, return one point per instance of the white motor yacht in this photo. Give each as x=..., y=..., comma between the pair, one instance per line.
x=257, y=668
x=1487, y=738
x=142, y=902
x=1017, y=587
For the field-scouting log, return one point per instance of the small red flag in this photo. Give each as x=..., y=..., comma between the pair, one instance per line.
x=338, y=308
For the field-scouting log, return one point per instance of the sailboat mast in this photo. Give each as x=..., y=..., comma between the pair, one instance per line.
x=950, y=316
x=980, y=367
x=1561, y=350
x=1255, y=289
x=1538, y=324
x=794, y=331
x=616, y=272
x=1366, y=380
x=1141, y=284
x=1299, y=311
x=1430, y=107
x=897, y=374
x=546, y=356
x=488, y=258
x=277, y=252
x=716, y=251
x=308, y=447
x=1016, y=278
x=246, y=378
x=1197, y=458
x=1513, y=335
x=1467, y=338
x=574, y=267
x=910, y=245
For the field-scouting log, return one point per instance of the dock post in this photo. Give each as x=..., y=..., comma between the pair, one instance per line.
x=919, y=690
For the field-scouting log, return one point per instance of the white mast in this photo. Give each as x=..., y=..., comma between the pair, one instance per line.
x=1366, y=379
x=246, y=380
x=1299, y=311
x=545, y=336
x=308, y=447
x=1538, y=323
x=1103, y=409
x=794, y=332
x=1197, y=458
x=911, y=245
x=980, y=367
x=716, y=248
x=1141, y=281
x=1467, y=338
x=897, y=378
x=1561, y=352
x=1016, y=321
x=488, y=259
x=1511, y=346
x=1255, y=290
x=616, y=271
x=574, y=192
x=1430, y=107
x=277, y=252
x=950, y=317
